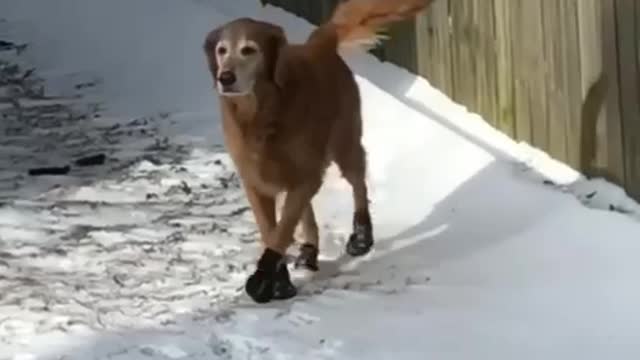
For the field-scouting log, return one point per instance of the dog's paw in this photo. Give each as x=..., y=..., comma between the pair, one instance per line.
x=308, y=258
x=271, y=280
x=361, y=241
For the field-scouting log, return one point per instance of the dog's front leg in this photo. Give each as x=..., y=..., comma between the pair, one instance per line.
x=264, y=212
x=271, y=279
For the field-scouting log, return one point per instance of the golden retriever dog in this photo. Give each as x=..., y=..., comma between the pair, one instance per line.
x=289, y=111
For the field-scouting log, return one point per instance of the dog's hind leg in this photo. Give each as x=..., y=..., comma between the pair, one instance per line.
x=352, y=164
x=308, y=257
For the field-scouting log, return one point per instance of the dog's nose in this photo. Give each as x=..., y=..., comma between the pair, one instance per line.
x=227, y=78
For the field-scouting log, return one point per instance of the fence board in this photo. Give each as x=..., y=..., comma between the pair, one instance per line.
x=572, y=86
x=433, y=33
x=462, y=58
x=557, y=106
x=615, y=148
x=630, y=109
x=539, y=122
x=402, y=52
x=528, y=72
x=594, y=133
x=504, y=59
x=483, y=37
x=634, y=166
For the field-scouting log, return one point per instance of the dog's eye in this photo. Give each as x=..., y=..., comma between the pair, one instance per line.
x=248, y=51
x=222, y=50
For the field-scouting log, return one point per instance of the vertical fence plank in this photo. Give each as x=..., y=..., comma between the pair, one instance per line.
x=518, y=39
x=615, y=153
x=593, y=153
x=433, y=36
x=463, y=54
x=557, y=105
x=504, y=60
x=402, y=51
x=523, y=129
x=528, y=50
x=326, y=8
x=630, y=109
x=533, y=27
x=637, y=42
x=590, y=35
x=572, y=77
x=313, y=10
x=634, y=185
x=483, y=38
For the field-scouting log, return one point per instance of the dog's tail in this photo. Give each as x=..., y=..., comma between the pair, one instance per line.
x=358, y=23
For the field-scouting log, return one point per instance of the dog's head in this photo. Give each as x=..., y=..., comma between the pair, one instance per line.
x=241, y=53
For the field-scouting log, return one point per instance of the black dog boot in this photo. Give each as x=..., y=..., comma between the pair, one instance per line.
x=308, y=258
x=361, y=240
x=283, y=288
x=270, y=280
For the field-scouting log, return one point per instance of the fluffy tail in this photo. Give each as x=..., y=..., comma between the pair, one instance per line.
x=360, y=22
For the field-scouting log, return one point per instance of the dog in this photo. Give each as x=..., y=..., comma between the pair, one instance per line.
x=288, y=112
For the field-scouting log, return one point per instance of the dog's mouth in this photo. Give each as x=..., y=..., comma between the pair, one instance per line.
x=230, y=91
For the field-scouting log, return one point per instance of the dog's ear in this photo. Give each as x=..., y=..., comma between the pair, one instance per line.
x=275, y=40
x=209, y=47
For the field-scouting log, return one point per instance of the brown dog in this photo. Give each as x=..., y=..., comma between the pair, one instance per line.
x=289, y=111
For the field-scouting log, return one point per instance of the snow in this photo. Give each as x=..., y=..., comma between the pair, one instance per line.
x=487, y=248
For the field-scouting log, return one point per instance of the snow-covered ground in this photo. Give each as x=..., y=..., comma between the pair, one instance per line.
x=487, y=249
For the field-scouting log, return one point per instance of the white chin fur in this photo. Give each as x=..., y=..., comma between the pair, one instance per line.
x=233, y=94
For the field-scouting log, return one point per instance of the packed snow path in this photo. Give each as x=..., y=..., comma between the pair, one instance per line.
x=486, y=248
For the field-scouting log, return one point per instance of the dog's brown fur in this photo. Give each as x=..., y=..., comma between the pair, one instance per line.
x=302, y=114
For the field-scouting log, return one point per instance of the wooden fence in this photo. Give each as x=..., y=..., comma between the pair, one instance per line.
x=563, y=75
